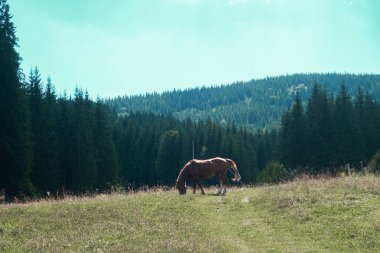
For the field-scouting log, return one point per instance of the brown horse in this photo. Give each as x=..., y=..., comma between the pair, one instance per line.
x=203, y=169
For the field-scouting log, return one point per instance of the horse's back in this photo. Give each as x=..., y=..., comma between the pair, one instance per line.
x=218, y=162
x=196, y=161
x=207, y=168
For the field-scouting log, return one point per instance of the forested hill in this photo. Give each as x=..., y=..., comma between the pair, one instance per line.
x=257, y=103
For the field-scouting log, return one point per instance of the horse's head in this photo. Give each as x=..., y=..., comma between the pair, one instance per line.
x=180, y=185
x=181, y=180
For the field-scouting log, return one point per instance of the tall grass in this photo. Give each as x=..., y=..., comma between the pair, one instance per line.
x=323, y=214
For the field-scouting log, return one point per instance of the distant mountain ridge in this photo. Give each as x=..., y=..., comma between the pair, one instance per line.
x=258, y=103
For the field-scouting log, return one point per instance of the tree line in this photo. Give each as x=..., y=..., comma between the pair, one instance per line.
x=255, y=104
x=48, y=142
x=153, y=148
x=330, y=132
x=69, y=142
x=72, y=140
x=325, y=134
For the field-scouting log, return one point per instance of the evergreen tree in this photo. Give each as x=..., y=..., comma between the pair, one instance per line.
x=35, y=90
x=50, y=136
x=367, y=115
x=248, y=162
x=294, y=136
x=372, y=127
x=345, y=129
x=319, y=130
x=106, y=154
x=286, y=142
x=362, y=125
x=84, y=164
x=65, y=139
x=187, y=139
x=299, y=134
x=15, y=145
x=167, y=162
x=40, y=176
x=262, y=158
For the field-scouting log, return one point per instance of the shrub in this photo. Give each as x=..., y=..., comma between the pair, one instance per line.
x=374, y=164
x=273, y=172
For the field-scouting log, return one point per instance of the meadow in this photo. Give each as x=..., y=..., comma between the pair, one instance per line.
x=340, y=214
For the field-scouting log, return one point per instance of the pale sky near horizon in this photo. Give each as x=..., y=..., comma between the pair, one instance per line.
x=124, y=47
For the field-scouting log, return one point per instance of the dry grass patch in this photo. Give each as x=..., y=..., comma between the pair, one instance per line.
x=307, y=215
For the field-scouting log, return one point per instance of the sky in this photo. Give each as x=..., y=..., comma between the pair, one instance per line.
x=126, y=47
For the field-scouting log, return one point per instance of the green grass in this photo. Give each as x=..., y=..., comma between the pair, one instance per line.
x=307, y=215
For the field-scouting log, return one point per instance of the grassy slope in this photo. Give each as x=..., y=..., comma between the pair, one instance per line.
x=307, y=215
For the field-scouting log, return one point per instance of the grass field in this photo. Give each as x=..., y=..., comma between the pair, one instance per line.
x=307, y=215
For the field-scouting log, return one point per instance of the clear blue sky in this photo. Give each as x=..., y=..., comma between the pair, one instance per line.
x=123, y=47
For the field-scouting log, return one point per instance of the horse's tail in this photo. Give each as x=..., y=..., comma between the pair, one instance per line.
x=237, y=174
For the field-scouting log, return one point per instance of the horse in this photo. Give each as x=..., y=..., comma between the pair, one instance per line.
x=204, y=169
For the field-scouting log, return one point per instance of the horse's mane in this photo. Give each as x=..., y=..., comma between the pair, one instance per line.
x=184, y=172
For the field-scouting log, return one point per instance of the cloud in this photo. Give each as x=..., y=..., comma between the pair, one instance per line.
x=349, y=2
x=237, y=2
x=186, y=2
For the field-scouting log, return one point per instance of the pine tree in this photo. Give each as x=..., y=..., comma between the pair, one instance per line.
x=262, y=154
x=15, y=145
x=286, y=140
x=362, y=121
x=39, y=176
x=45, y=171
x=345, y=129
x=319, y=130
x=294, y=136
x=167, y=161
x=187, y=138
x=299, y=133
x=248, y=158
x=50, y=136
x=371, y=125
x=83, y=150
x=105, y=148
x=65, y=142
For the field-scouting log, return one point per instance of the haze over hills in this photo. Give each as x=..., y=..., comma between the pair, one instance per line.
x=258, y=103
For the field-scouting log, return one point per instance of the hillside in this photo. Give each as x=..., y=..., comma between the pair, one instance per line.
x=257, y=103
x=307, y=215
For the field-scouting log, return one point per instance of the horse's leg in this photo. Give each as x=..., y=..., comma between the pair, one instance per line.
x=224, y=190
x=194, y=187
x=221, y=185
x=224, y=184
x=200, y=185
